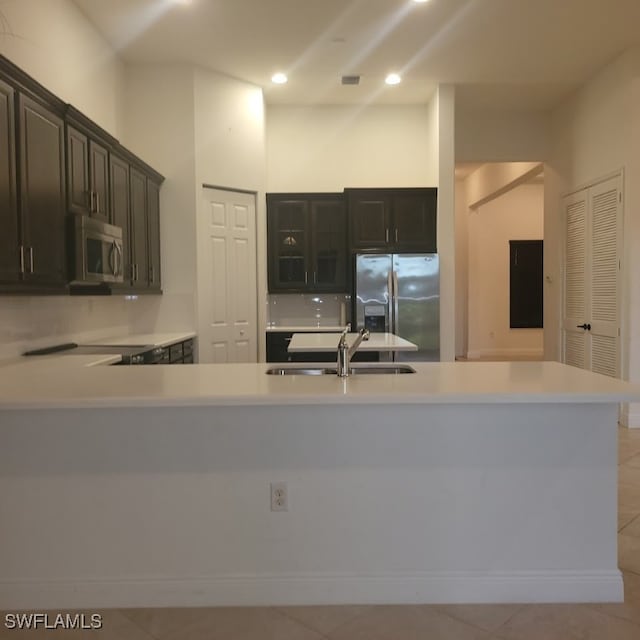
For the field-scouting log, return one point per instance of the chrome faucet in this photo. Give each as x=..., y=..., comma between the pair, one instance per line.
x=345, y=353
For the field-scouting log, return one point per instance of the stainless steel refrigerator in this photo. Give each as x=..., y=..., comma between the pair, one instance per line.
x=400, y=293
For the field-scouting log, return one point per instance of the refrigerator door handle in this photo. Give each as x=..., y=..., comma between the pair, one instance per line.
x=395, y=302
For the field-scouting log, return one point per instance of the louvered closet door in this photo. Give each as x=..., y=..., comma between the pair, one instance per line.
x=593, y=219
x=606, y=227
x=575, y=277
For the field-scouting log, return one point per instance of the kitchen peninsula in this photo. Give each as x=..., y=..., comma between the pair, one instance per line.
x=462, y=482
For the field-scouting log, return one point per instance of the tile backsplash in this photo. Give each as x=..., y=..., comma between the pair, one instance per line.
x=306, y=309
x=32, y=322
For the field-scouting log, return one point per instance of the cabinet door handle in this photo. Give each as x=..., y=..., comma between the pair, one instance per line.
x=30, y=259
x=396, y=235
x=306, y=277
x=112, y=258
x=315, y=277
x=97, y=202
x=21, y=259
x=386, y=234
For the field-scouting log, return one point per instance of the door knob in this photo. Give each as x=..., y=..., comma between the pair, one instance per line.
x=586, y=327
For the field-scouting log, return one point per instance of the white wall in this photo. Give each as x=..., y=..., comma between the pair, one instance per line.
x=332, y=147
x=159, y=127
x=501, y=136
x=462, y=269
x=445, y=147
x=595, y=133
x=53, y=41
x=516, y=215
x=495, y=178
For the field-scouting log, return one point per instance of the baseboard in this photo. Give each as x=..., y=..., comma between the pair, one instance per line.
x=629, y=415
x=393, y=588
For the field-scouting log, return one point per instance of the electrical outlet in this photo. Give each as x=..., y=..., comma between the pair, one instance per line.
x=279, y=496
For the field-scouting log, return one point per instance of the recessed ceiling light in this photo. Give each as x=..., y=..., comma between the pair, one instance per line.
x=279, y=78
x=420, y=0
x=393, y=78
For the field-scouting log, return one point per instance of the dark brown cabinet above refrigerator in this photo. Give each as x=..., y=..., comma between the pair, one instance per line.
x=398, y=220
x=307, y=242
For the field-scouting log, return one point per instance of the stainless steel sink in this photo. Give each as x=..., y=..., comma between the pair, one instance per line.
x=393, y=369
x=300, y=371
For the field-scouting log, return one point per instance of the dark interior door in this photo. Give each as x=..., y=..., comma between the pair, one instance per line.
x=525, y=284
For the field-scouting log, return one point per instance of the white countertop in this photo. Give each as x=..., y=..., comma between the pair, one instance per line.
x=34, y=387
x=304, y=327
x=68, y=361
x=329, y=342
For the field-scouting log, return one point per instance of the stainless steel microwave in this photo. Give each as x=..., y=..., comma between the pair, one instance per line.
x=97, y=255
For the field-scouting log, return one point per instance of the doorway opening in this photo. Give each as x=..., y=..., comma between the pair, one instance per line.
x=499, y=207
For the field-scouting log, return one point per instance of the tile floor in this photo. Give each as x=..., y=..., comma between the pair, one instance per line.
x=455, y=622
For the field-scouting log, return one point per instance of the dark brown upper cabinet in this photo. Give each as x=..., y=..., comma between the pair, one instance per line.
x=32, y=187
x=88, y=190
x=120, y=198
x=42, y=194
x=55, y=161
x=135, y=207
x=328, y=243
x=403, y=220
x=139, y=252
x=153, y=234
x=307, y=246
x=10, y=250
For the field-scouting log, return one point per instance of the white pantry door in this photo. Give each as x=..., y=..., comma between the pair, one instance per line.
x=230, y=296
x=593, y=246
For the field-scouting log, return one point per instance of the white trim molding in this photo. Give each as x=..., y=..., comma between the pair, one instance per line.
x=446, y=587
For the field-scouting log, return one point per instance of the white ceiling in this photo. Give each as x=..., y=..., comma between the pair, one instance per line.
x=520, y=54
